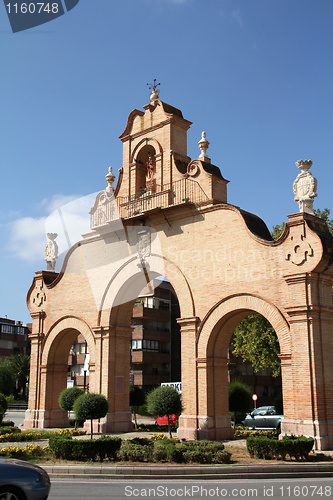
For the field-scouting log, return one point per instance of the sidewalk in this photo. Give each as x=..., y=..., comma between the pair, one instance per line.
x=268, y=471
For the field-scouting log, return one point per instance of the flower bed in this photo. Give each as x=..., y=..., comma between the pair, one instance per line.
x=14, y=434
x=245, y=432
x=28, y=452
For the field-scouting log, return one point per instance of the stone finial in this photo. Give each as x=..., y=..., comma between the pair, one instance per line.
x=110, y=179
x=155, y=92
x=51, y=251
x=203, y=145
x=305, y=187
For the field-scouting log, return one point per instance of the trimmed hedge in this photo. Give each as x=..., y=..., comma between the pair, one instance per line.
x=297, y=447
x=88, y=449
x=202, y=452
x=6, y=423
x=136, y=452
x=139, y=450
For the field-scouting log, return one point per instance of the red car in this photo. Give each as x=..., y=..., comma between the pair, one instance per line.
x=164, y=420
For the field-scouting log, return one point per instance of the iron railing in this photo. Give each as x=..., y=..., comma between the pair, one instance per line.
x=175, y=193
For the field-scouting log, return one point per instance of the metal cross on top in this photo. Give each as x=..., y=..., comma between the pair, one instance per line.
x=153, y=86
x=154, y=90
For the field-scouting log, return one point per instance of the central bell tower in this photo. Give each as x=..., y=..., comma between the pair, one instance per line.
x=154, y=143
x=157, y=173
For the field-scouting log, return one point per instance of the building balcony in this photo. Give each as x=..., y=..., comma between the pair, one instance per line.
x=72, y=360
x=150, y=357
x=151, y=379
x=76, y=359
x=150, y=334
x=150, y=313
x=181, y=192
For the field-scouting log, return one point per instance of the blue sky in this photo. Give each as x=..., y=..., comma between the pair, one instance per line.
x=256, y=75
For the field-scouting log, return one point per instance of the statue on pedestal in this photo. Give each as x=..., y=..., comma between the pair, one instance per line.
x=51, y=251
x=305, y=187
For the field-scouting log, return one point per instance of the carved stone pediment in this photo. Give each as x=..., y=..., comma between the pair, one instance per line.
x=299, y=250
x=144, y=245
x=38, y=296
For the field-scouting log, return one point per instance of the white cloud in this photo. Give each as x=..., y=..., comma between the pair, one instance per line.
x=68, y=216
x=27, y=238
x=57, y=200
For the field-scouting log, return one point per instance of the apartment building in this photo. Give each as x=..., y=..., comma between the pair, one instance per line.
x=13, y=338
x=155, y=350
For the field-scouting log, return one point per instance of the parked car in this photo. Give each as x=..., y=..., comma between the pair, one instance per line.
x=264, y=417
x=164, y=420
x=21, y=480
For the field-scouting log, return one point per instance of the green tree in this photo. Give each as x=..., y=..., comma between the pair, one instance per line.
x=3, y=406
x=322, y=214
x=7, y=378
x=137, y=398
x=90, y=406
x=240, y=400
x=67, y=398
x=164, y=401
x=21, y=368
x=255, y=341
x=278, y=230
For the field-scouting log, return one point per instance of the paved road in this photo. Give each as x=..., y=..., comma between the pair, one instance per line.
x=244, y=488
x=17, y=416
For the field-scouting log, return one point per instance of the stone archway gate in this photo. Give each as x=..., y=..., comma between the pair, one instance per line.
x=222, y=264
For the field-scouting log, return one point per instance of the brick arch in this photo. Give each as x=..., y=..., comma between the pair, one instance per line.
x=229, y=312
x=57, y=333
x=130, y=276
x=150, y=141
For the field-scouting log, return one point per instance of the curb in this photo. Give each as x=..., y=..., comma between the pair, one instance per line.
x=190, y=472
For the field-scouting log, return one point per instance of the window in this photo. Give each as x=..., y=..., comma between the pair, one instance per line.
x=151, y=345
x=7, y=329
x=149, y=302
x=83, y=349
x=136, y=344
x=164, y=305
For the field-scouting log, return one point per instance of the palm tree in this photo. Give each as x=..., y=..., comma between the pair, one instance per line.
x=21, y=367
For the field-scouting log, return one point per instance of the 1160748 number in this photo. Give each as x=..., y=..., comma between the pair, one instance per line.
x=32, y=8
x=305, y=491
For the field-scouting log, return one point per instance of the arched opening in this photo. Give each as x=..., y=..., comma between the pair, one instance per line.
x=78, y=364
x=155, y=338
x=128, y=286
x=145, y=180
x=217, y=328
x=253, y=359
x=55, y=366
